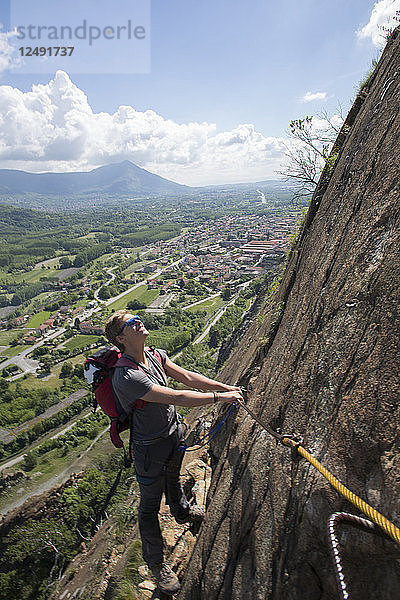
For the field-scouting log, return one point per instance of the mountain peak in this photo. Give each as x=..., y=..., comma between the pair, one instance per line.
x=115, y=179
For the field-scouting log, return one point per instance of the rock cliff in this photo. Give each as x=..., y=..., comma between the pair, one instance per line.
x=322, y=360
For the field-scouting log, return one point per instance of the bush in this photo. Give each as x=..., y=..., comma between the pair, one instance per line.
x=30, y=461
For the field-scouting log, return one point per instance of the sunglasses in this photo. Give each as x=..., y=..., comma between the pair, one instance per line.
x=131, y=323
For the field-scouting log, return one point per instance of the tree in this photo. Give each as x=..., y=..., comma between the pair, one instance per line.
x=46, y=364
x=226, y=294
x=309, y=150
x=214, y=338
x=136, y=305
x=16, y=300
x=47, y=543
x=78, y=371
x=30, y=461
x=65, y=262
x=104, y=293
x=66, y=369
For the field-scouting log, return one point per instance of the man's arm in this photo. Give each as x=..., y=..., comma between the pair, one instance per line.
x=195, y=380
x=166, y=395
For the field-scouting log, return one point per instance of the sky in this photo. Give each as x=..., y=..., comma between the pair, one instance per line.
x=201, y=93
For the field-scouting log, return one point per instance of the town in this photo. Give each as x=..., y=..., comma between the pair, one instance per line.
x=193, y=287
x=228, y=251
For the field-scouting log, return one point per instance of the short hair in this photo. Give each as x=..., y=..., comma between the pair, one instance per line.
x=114, y=325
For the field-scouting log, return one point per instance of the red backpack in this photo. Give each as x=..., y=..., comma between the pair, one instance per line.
x=98, y=372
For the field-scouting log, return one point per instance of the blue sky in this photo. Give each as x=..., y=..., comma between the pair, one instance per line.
x=226, y=77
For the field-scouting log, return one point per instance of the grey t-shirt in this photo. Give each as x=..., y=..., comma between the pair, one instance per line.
x=154, y=420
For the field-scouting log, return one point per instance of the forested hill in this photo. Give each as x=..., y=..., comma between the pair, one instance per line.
x=125, y=178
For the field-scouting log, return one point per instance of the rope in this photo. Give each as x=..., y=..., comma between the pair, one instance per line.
x=333, y=523
x=384, y=523
x=388, y=527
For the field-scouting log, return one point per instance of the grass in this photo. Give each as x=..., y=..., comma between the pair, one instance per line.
x=37, y=300
x=209, y=305
x=127, y=588
x=141, y=293
x=36, y=383
x=38, y=319
x=88, y=236
x=13, y=351
x=80, y=341
x=34, y=275
x=7, y=336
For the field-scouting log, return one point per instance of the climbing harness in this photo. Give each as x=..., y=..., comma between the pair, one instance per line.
x=378, y=519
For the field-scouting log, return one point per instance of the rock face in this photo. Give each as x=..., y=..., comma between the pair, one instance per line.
x=322, y=359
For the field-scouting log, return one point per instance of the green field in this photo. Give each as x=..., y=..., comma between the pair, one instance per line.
x=38, y=319
x=8, y=335
x=134, y=267
x=80, y=340
x=141, y=293
x=209, y=305
x=13, y=351
x=38, y=300
x=35, y=275
x=75, y=360
x=161, y=337
x=32, y=382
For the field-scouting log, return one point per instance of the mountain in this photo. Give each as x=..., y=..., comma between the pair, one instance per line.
x=123, y=178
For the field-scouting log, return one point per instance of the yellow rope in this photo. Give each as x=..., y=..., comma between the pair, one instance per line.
x=374, y=515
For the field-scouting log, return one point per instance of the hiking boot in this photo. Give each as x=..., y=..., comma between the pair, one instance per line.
x=195, y=515
x=166, y=579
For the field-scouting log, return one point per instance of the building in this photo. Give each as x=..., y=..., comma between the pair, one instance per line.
x=89, y=328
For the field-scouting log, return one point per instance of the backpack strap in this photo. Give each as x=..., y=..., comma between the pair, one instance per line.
x=157, y=355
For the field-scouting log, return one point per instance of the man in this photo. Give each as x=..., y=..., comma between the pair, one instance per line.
x=156, y=431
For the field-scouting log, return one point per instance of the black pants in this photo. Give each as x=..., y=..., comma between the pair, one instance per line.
x=157, y=469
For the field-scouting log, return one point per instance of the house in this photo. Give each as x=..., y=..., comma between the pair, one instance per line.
x=89, y=328
x=42, y=329
x=19, y=321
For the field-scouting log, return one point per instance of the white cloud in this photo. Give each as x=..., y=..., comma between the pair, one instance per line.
x=8, y=60
x=383, y=15
x=311, y=96
x=53, y=128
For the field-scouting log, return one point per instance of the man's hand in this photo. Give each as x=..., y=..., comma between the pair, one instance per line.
x=231, y=396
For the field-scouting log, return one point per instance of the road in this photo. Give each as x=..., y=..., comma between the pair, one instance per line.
x=112, y=277
x=57, y=479
x=216, y=318
x=28, y=365
x=136, y=285
x=201, y=301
